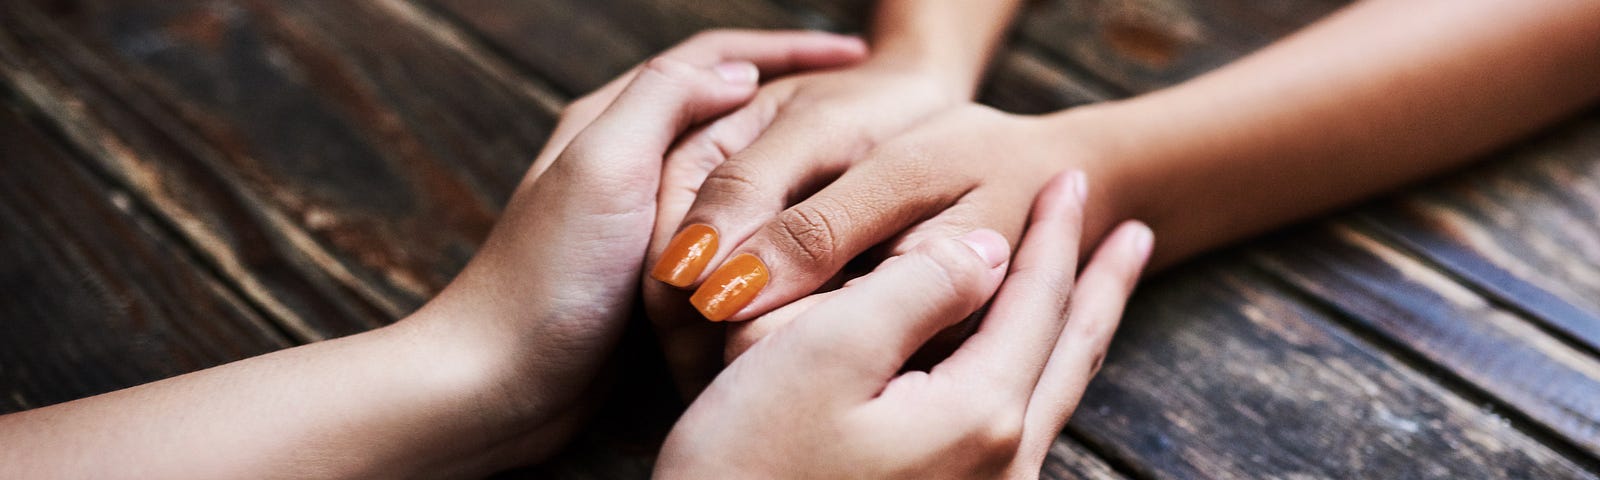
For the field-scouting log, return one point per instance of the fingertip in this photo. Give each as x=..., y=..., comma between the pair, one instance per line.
x=854, y=44
x=1079, y=185
x=1066, y=190
x=1126, y=252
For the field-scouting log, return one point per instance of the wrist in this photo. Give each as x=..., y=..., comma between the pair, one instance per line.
x=956, y=75
x=1092, y=139
x=455, y=350
x=951, y=41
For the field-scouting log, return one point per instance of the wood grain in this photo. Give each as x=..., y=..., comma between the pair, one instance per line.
x=97, y=297
x=331, y=164
x=1523, y=229
x=338, y=160
x=1409, y=303
x=1218, y=373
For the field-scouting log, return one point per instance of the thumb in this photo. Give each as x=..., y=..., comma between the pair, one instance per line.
x=663, y=100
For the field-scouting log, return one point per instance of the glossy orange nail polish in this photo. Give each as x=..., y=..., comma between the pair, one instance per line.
x=731, y=287
x=686, y=256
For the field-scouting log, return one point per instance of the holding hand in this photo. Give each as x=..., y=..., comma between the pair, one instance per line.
x=965, y=168
x=546, y=297
x=824, y=396
x=739, y=171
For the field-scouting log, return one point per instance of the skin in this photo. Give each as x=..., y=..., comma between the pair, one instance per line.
x=494, y=372
x=1396, y=91
x=828, y=397
x=927, y=57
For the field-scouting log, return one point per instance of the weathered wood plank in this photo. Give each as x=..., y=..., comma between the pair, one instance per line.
x=1403, y=300
x=96, y=296
x=338, y=160
x=1524, y=229
x=1219, y=374
x=1070, y=460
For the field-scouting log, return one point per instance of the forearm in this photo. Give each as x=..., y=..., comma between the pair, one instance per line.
x=1381, y=94
x=378, y=404
x=951, y=39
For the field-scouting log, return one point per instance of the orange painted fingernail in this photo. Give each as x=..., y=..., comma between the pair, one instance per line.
x=686, y=256
x=731, y=287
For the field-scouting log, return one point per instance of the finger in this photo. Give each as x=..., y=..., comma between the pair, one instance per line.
x=860, y=336
x=693, y=348
x=686, y=169
x=742, y=336
x=1096, y=310
x=995, y=207
x=739, y=196
x=804, y=245
x=775, y=53
x=982, y=208
x=1011, y=347
x=628, y=140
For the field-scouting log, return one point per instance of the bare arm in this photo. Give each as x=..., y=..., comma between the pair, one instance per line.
x=1375, y=96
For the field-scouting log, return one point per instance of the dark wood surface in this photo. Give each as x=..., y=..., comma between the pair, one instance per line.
x=185, y=183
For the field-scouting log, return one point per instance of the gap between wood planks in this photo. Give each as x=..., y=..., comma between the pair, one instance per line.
x=1377, y=341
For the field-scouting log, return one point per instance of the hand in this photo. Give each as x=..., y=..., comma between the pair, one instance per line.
x=824, y=396
x=795, y=134
x=966, y=168
x=545, y=299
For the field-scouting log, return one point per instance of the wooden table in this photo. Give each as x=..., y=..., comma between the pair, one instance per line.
x=187, y=183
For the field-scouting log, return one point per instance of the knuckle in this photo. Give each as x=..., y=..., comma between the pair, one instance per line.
x=666, y=68
x=731, y=182
x=1094, y=331
x=999, y=432
x=809, y=233
x=955, y=267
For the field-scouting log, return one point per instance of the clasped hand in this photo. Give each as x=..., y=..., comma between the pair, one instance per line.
x=823, y=392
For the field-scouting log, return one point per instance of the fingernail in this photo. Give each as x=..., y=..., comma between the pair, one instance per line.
x=686, y=256
x=989, y=244
x=1080, y=185
x=730, y=288
x=737, y=72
